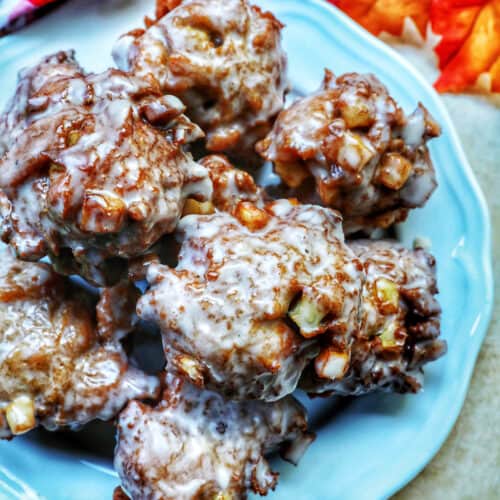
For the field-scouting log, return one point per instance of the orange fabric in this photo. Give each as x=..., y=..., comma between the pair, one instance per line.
x=469, y=30
x=452, y=20
x=386, y=15
x=476, y=45
x=495, y=76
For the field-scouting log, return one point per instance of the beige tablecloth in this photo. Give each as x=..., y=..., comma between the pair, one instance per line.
x=468, y=465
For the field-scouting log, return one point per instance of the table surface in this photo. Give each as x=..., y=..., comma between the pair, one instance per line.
x=468, y=465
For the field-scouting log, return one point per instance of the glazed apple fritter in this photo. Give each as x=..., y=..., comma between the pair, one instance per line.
x=366, y=158
x=196, y=444
x=61, y=363
x=92, y=166
x=252, y=291
x=222, y=59
x=387, y=344
x=400, y=323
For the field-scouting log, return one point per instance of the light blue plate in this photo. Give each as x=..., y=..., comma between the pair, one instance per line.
x=372, y=446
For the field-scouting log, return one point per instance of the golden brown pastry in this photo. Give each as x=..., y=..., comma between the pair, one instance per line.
x=196, y=444
x=399, y=323
x=61, y=362
x=252, y=293
x=224, y=60
x=92, y=167
x=231, y=185
x=366, y=158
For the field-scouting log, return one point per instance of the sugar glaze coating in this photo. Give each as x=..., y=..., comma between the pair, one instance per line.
x=231, y=185
x=400, y=323
x=196, y=444
x=92, y=166
x=223, y=59
x=226, y=310
x=58, y=359
x=368, y=160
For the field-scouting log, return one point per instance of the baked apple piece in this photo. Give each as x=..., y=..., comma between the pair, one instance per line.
x=230, y=185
